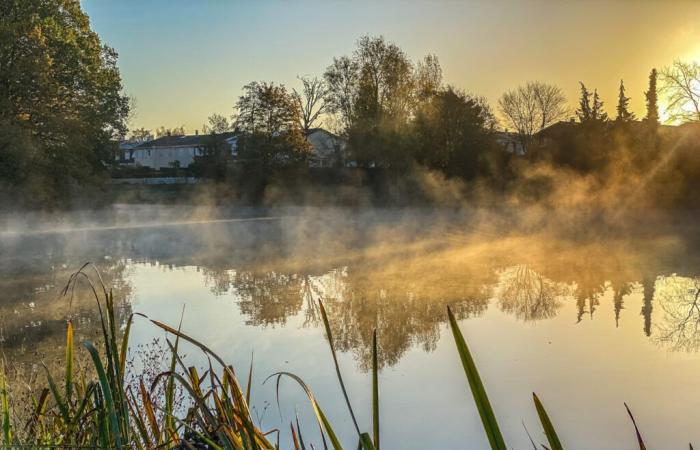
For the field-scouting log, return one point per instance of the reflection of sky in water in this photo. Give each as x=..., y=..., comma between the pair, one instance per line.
x=586, y=325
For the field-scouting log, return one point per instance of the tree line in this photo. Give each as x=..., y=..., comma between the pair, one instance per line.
x=63, y=110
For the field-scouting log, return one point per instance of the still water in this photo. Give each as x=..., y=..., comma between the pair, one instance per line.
x=587, y=313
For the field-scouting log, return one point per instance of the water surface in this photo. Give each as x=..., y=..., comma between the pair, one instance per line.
x=588, y=313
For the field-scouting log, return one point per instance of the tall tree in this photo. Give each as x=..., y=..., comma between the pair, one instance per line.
x=623, y=112
x=681, y=84
x=268, y=117
x=60, y=89
x=342, y=81
x=216, y=124
x=428, y=77
x=375, y=83
x=311, y=102
x=453, y=132
x=597, y=112
x=652, y=116
x=532, y=107
x=584, y=109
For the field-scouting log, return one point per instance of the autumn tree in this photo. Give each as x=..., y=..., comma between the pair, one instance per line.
x=268, y=118
x=681, y=85
x=61, y=100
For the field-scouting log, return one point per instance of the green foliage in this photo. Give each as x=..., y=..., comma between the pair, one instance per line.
x=60, y=98
x=623, y=113
x=452, y=133
x=652, y=116
x=268, y=121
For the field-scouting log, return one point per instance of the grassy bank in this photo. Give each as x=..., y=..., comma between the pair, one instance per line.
x=187, y=408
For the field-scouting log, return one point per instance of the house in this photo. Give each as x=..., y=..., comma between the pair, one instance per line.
x=176, y=151
x=125, y=153
x=511, y=142
x=327, y=149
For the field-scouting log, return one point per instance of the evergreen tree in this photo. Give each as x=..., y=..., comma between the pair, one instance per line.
x=584, y=110
x=623, y=113
x=597, y=113
x=652, y=105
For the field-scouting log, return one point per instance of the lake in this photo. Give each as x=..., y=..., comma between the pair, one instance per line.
x=587, y=310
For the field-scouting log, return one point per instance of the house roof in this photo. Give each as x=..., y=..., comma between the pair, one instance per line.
x=192, y=140
x=321, y=130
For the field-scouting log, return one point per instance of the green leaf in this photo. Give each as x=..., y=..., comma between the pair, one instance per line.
x=549, y=431
x=375, y=391
x=104, y=384
x=329, y=335
x=488, y=418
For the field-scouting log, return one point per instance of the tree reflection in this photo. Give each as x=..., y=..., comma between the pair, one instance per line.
x=679, y=299
x=528, y=295
x=648, y=286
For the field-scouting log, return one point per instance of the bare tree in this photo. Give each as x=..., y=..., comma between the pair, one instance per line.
x=532, y=107
x=311, y=102
x=681, y=85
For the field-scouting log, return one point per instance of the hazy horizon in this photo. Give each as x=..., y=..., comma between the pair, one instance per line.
x=184, y=61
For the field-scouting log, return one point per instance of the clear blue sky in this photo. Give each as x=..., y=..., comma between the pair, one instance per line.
x=184, y=60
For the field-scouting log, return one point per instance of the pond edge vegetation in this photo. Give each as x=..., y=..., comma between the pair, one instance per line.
x=106, y=413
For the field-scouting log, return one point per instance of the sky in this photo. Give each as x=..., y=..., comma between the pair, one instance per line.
x=183, y=60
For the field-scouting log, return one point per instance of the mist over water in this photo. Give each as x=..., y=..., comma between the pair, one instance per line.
x=586, y=307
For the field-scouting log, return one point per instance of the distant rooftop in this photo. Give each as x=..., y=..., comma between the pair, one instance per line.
x=191, y=140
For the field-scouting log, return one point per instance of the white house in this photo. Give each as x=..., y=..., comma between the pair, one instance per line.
x=171, y=151
x=328, y=149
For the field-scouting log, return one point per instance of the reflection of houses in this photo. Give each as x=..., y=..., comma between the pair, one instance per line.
x=327, y=148
x=172, y=151
x=511, y=142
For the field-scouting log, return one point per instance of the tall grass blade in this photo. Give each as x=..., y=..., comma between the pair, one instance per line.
x=329, y=335
x=5, y=405
x=488, y=418
x=640, y=441
x=69, y=362
x=320, y=416
x=104, y=384
x=60, y=402
x=375, y=391
x=366, y=442
x=549, y=431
